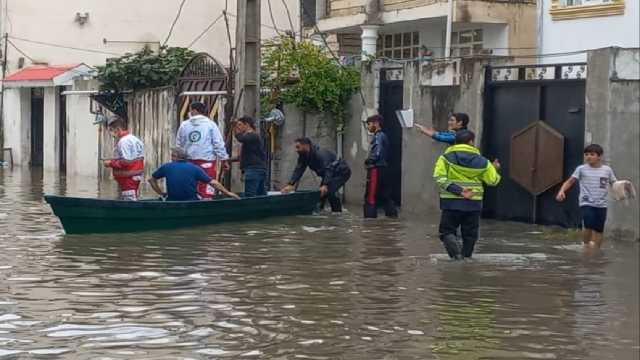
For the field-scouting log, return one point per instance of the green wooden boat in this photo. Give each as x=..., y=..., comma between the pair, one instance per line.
x=89, y=215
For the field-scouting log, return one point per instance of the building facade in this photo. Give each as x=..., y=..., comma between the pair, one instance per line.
x=405, y=30
x=570, y=27
x=49, y=38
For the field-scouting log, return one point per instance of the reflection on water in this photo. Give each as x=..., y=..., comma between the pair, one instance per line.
x=313, y=287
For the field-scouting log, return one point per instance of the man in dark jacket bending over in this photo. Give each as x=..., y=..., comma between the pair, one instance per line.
x=333, y=171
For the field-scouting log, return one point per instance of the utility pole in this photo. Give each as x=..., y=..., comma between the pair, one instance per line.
x=247, y=76
x=4, y=74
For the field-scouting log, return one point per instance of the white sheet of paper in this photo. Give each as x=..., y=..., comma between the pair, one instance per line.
x=405, y=117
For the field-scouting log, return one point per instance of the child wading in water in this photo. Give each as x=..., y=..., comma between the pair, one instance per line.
x=595, y=180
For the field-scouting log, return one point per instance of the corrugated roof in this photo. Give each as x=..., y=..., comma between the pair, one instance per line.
x=40, y=72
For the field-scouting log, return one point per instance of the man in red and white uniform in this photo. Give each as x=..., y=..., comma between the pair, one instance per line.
x=128, y=161
x=201, y=140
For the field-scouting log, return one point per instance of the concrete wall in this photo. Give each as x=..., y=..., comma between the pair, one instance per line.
x=126, y=22
x=612, y=113
x=298, y=124
x=83, y=152
x=51, y=136
x=17, y=124
x=559, y=36
x=518, y=16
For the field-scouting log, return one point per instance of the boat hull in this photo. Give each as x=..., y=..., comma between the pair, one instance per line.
x=86, y=215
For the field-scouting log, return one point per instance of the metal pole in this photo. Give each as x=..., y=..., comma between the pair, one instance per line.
x=535, y=209
x=4, y=75
x=447, y=48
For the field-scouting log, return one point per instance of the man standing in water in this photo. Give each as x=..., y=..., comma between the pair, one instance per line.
x=378, y=189
x=128, y=161
x=460, y=173
x=333, y=171
x=200, y=138
x=252, y=157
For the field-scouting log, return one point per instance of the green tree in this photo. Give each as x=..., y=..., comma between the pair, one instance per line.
x=144, y=69
x=302, y=74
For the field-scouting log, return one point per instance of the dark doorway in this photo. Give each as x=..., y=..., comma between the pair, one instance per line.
x=62, y=130
x=390, y=101
x=512, y=105
x=37, y=126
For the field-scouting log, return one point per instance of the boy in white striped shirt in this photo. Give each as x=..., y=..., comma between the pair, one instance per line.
x=595, y=180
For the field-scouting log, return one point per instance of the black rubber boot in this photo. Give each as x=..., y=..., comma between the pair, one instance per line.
x=452, y=245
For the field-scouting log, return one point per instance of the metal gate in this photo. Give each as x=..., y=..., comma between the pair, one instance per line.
x=391, y=91
x=515, y=98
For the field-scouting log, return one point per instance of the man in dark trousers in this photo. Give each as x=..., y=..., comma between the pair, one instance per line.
x=333, y=171
x=460, y=174
x=378, y=189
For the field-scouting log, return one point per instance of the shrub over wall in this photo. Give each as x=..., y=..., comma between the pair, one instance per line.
x=302, y=74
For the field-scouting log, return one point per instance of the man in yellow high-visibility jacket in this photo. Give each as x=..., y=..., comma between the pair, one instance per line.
x=460, y=173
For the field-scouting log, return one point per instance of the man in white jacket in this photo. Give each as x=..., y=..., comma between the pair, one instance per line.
x=203, y=143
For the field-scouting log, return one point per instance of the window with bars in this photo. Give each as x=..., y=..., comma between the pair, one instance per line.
x=399, y=46
x=466, y=42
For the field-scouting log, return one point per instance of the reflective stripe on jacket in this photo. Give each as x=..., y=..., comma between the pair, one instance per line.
x=462, y=167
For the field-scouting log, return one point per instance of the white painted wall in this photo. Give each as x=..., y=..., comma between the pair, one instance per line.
x=17, y=124
x=495, y=36
x=82, y=136
x=52, y=21
x=589, y=33
x=51, y=135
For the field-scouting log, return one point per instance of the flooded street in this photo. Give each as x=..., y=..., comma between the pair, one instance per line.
x=313, y=287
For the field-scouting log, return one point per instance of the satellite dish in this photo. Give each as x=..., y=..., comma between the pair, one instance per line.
x=276, y=116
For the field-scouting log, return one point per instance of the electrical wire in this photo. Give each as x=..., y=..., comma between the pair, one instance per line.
x=174, y=22
x=232, y=60
x=273, y=20
x=263, y=25
x=286, y=7
x=206, y=30
x=64, y=46
x=20, y=51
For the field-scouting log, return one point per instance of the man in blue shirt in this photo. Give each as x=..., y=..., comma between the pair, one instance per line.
x=182, y=178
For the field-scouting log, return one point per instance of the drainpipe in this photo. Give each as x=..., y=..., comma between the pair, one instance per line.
x=370, y=28
x=369, y=40
x=447, y=48
x=321, y=9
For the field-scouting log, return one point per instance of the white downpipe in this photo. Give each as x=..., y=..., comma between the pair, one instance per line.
x=369, y=40
x=447, y=47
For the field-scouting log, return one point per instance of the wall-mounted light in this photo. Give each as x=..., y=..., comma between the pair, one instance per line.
x=82, y=18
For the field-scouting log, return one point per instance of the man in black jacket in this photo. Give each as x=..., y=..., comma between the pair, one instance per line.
x=378, y=190
x=333, y=171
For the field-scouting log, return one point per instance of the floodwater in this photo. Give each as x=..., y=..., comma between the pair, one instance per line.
x=313, y=287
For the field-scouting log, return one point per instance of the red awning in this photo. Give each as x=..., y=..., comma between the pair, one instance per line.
x=40, y=72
